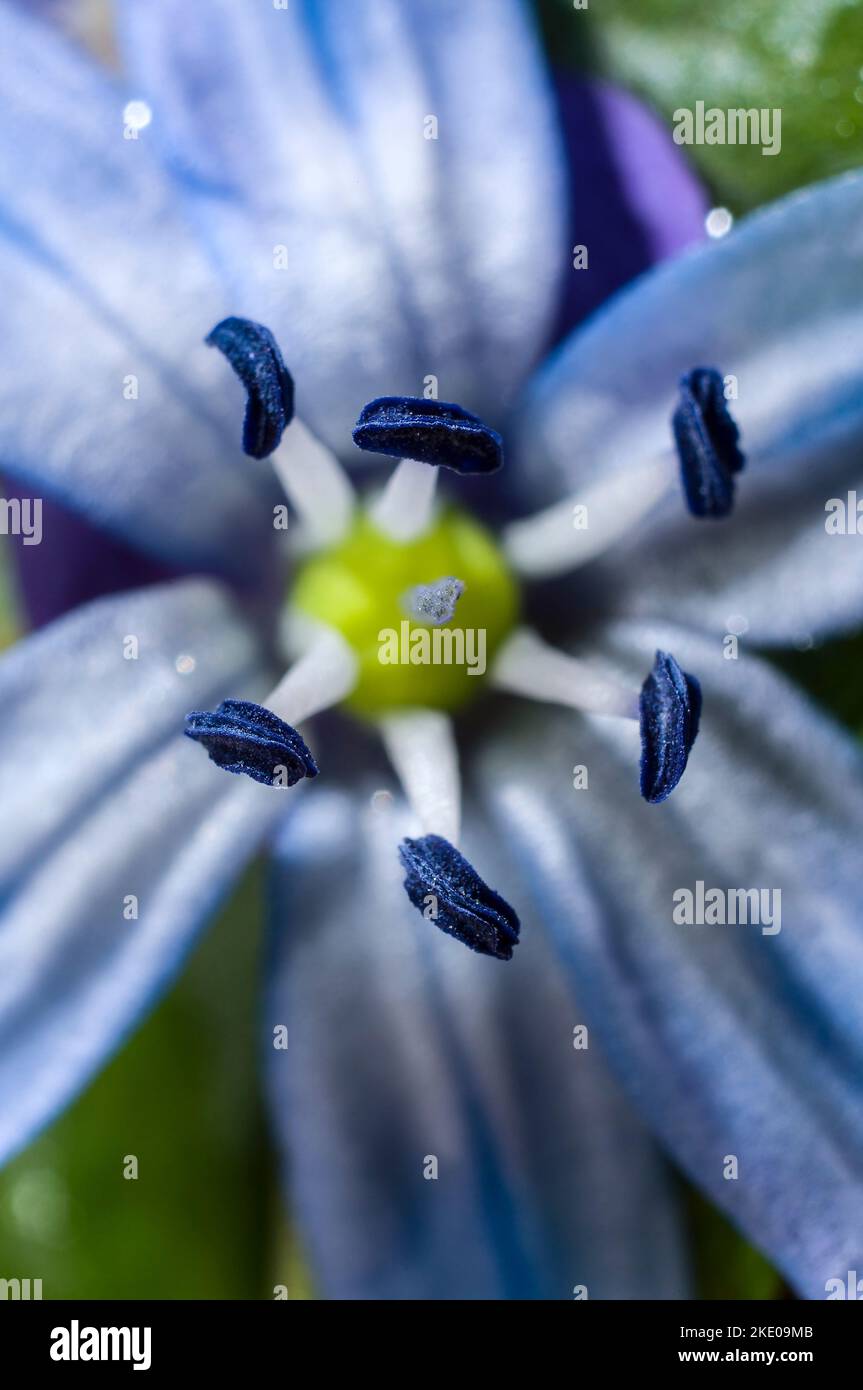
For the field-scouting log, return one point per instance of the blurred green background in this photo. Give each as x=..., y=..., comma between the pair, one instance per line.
x=203, y=1219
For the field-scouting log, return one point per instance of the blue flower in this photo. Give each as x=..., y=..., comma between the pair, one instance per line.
x=302, y=194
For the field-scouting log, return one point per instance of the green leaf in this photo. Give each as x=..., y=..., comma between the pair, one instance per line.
x=801, y=56
x=833, y=674
x=183, y=1098
x=726, y=1265
x=9, y=609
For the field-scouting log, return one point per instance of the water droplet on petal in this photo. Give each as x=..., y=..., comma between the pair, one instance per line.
x=137, y=114
x=718, y=222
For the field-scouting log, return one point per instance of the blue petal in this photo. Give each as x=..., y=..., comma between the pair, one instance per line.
x=403, y=1049
x=430, y=431
x=105, y=803
x=732, y=1041
x=634, y=197
x=377, y=255
x=777, y=303
x=109, y=400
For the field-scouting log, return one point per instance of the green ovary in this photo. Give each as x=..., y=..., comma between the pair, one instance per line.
x=357, y=588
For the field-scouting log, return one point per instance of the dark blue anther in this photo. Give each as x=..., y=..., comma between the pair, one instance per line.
x=241, y=736
x=449, y=892
x=706, y=438
x=435, y=432
x=254, y=355
x=670, y=708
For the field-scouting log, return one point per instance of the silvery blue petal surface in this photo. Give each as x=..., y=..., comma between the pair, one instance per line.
x=734, y=1041
x=104, y=798
x=105, y=296
x=306, y=128
x=777, y=304
x=402, y=1048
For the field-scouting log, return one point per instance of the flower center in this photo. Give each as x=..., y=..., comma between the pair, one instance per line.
x=363, y=586
x=411, y=604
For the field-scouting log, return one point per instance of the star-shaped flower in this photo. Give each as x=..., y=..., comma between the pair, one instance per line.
x=387, y=232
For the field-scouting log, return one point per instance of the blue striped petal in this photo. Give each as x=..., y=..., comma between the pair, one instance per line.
x=737, y=1042
x=443, y=1138
x=119, y=839
x=777, y=306
x=109, y=400
x=383, y=179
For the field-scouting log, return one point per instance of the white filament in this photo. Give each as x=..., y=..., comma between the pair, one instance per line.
x=526, y=665
x=315, y=484
x=421, y=747
x=571, y=532
x=325, y=673
x=405, y=508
